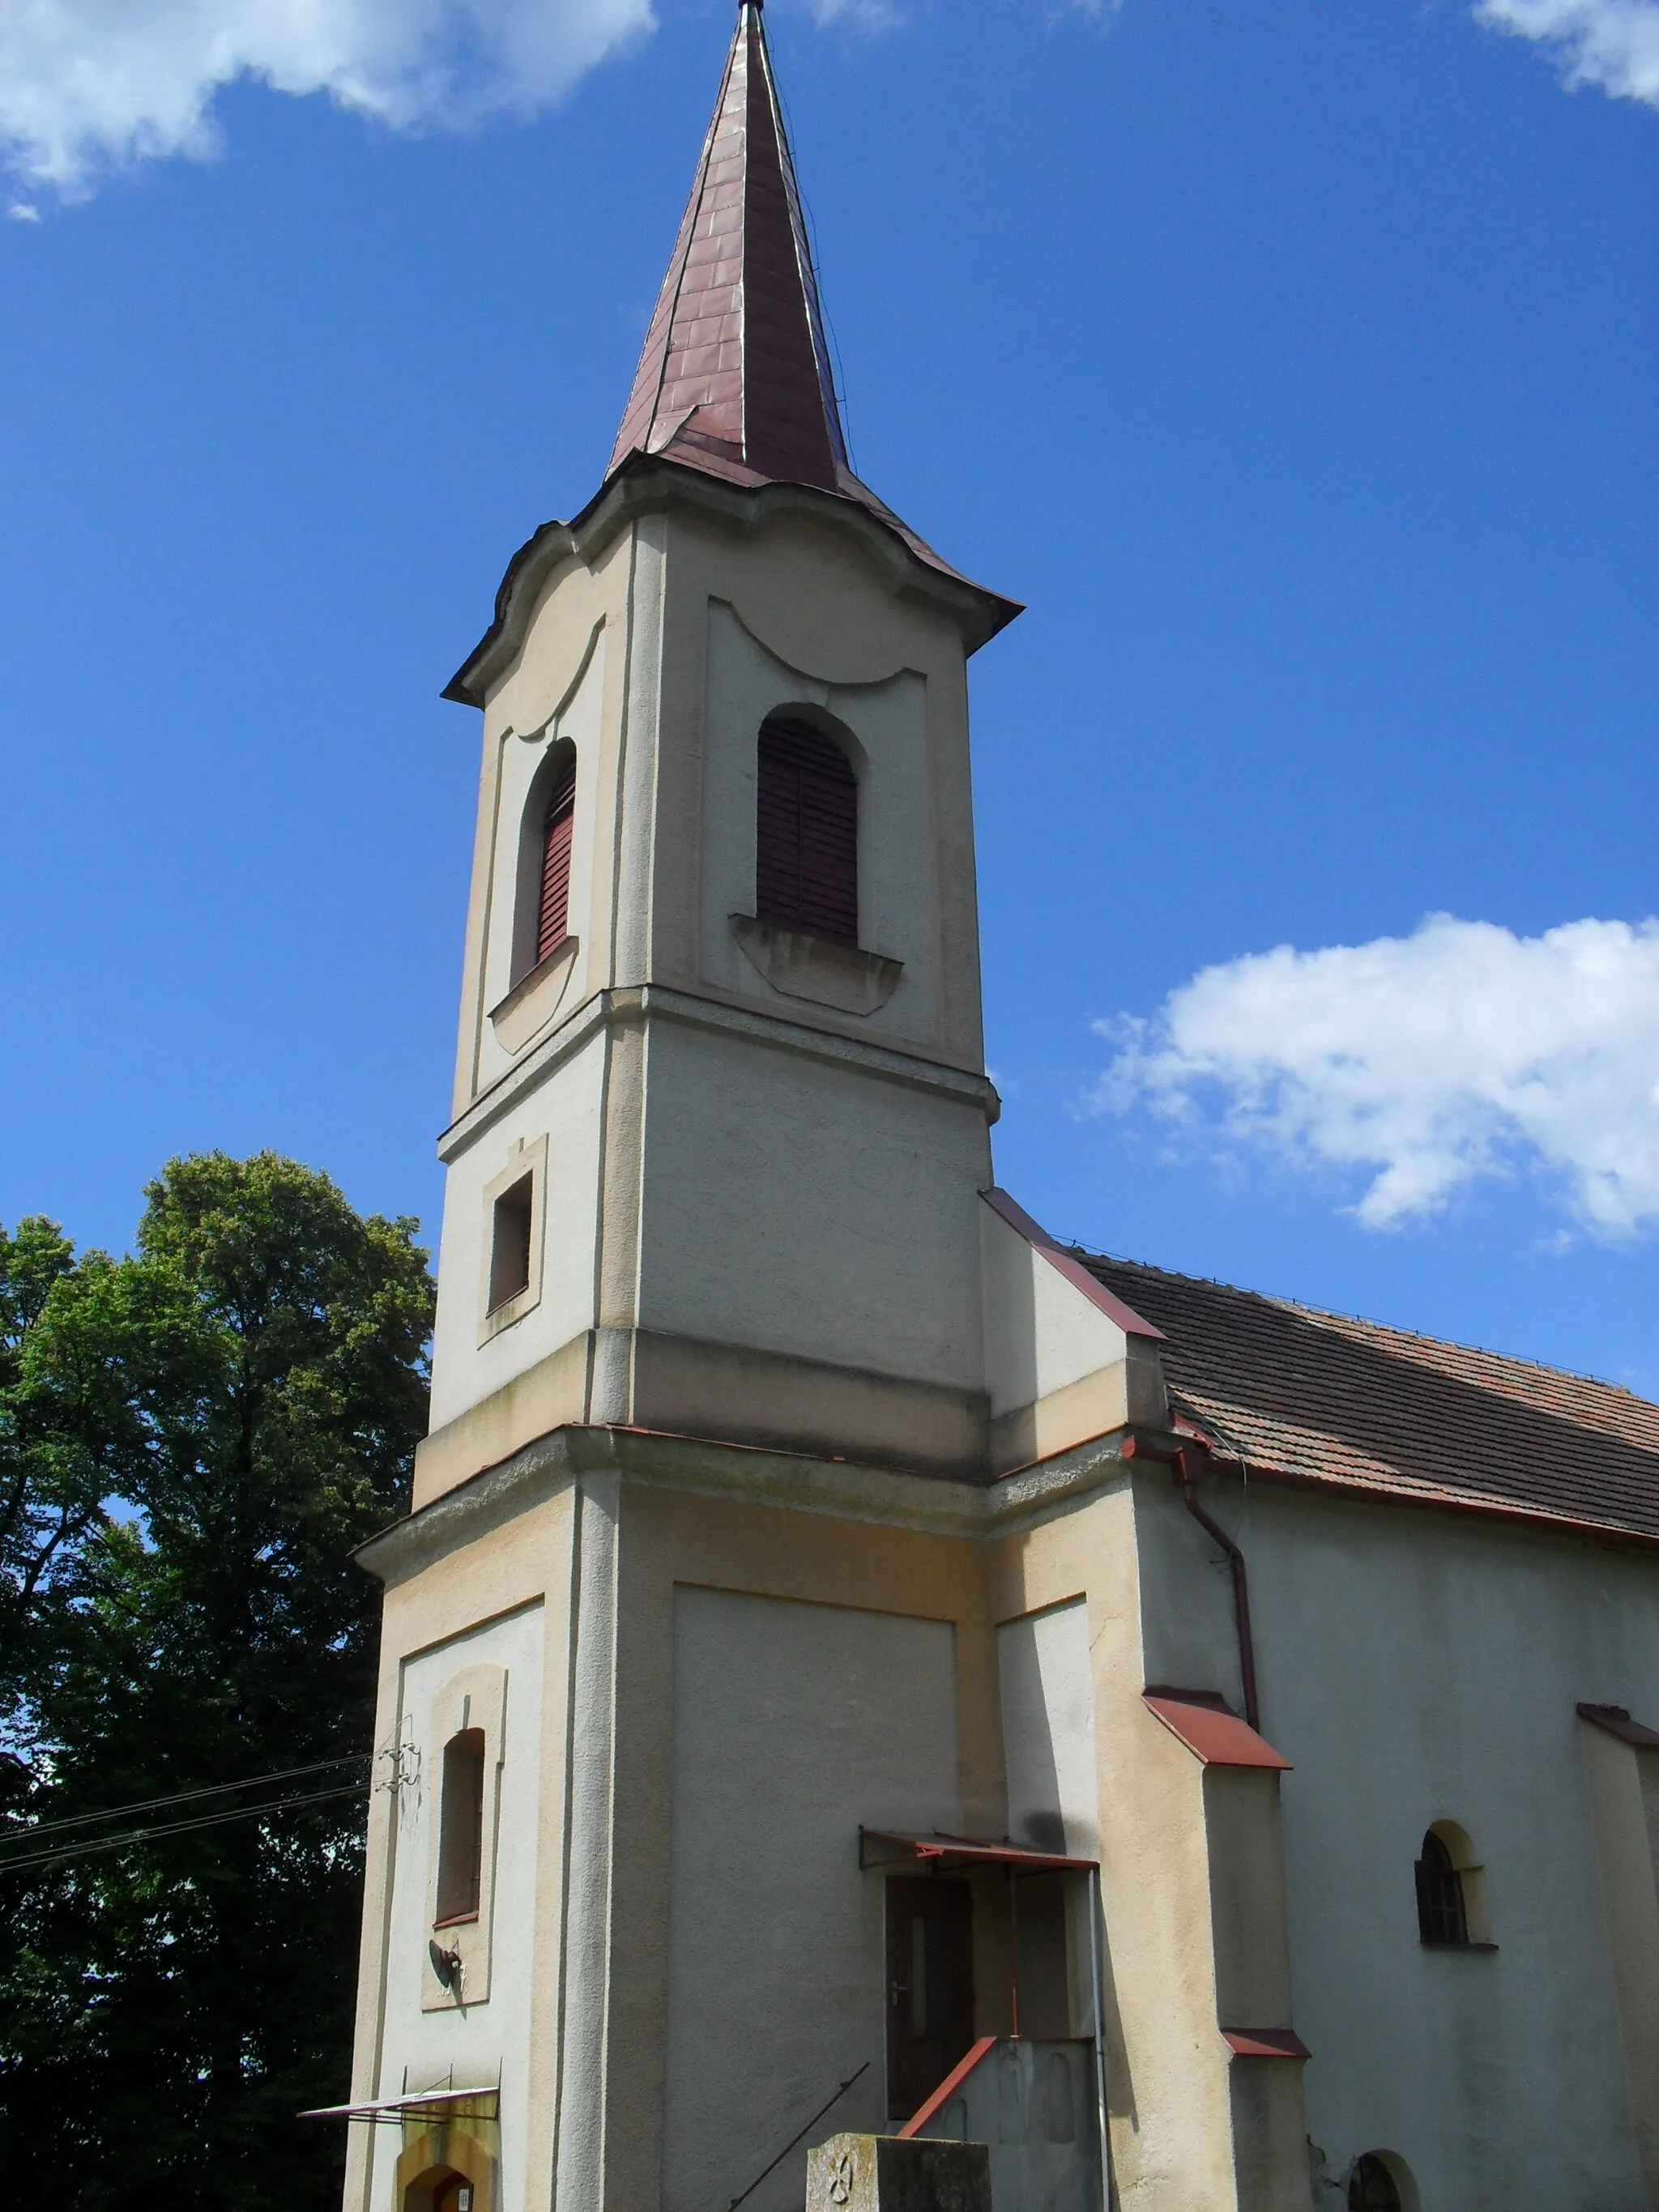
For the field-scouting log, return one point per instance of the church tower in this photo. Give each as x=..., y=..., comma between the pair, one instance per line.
x=739, y=1564
x=720, y=1106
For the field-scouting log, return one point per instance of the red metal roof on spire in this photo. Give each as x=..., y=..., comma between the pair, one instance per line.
x=734, y=381
x=735, y=366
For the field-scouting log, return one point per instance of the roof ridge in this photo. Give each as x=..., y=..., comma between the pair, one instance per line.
x=1363, y=1320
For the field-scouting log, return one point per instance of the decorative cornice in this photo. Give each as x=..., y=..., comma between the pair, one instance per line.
x=650, y=483
x=742, y=1475
x=657, y=1001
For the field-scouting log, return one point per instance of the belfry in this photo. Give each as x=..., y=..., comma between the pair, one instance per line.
x=856, y=1665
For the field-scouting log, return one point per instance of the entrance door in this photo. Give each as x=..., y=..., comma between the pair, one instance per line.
x=930, y=1985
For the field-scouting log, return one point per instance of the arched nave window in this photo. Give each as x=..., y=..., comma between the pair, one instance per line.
x=1451, y=1891
x=1372, y=2187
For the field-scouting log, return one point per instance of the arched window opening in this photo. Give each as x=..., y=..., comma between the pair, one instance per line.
x=553, y=907
x=1372, y=2187
x=1442, y=1910
x=806, y=857
x=461, y=1828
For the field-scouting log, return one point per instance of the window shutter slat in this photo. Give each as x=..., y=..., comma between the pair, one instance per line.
x=552, y=921
x=806, y=870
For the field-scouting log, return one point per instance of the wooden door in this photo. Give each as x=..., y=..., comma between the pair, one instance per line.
x=930, y=1985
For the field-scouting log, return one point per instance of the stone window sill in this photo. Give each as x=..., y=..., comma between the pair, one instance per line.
x=816, y=968
x=531, y=1005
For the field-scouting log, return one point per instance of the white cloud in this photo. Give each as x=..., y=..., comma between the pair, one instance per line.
x=1425, y=1062
x=22, y=211
x=89, y=84
x=1611, y=43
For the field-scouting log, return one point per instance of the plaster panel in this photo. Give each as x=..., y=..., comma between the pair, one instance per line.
x=474, y=2043
x=898, y=890
x=575, y=607
x=1463, y=1652
x=1040, y=1333
x=566, y=1110
x=575, y=721
x=1169, y=2094
x=1048, y=1730
x=792, y=1724
x=804, y=1208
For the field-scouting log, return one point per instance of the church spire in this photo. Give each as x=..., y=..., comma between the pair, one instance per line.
x=735, y=370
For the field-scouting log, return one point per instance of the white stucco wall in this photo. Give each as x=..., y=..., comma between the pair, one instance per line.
x=793, y=1724
x=807, y=1208
x=567, y=1110
x=1041, y=1332
x=1048, y=1730
x=480, y=2041
x=1415, y=1668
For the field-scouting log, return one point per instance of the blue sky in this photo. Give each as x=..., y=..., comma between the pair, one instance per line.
x=1291, y=359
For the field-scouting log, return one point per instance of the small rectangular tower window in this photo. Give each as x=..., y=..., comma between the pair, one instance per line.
x=511, y=1227
x=514, y=1205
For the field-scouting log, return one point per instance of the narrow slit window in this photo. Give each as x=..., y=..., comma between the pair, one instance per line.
x=553, y=913
x=461, y=1828
x=1442, y=1910
x=806, y=856
x=510, y=1231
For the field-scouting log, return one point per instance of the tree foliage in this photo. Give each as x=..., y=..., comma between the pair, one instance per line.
x=192, y=1439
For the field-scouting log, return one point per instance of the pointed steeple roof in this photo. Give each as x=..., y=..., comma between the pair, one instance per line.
x=734, y=381
x=735, y=366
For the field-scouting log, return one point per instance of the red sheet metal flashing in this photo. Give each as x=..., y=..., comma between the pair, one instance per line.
x=1199, y=1719
x=1266, y=2042
x=1616, y=1720
x=958, y=2074
x=881, y=1847
x=1073, y=1270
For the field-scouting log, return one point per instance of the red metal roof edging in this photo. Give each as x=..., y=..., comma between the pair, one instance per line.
x=958, y=2074
x=1076, y=1274
x=1199, y=1719
x=1266, y=2042
x=919, y=1850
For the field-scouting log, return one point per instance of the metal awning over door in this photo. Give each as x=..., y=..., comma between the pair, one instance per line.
x=879, y=1848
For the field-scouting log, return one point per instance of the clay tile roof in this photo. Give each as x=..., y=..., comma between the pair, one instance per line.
x=735, y=359
x=1317, y=1397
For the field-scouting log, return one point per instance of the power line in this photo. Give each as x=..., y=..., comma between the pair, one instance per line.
x=134, y=1835
x=26, y=1835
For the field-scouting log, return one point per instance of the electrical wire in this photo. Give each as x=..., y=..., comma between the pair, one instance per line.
x=26, y=1835
x=135, y=1836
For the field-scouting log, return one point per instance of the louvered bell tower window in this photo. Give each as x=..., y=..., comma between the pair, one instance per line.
x=553, y=914
x=806, y=872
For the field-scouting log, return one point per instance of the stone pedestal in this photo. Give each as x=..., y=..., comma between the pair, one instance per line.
x=885, y=2173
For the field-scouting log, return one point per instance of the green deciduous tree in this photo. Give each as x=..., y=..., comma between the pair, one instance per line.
x=212, y=1425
